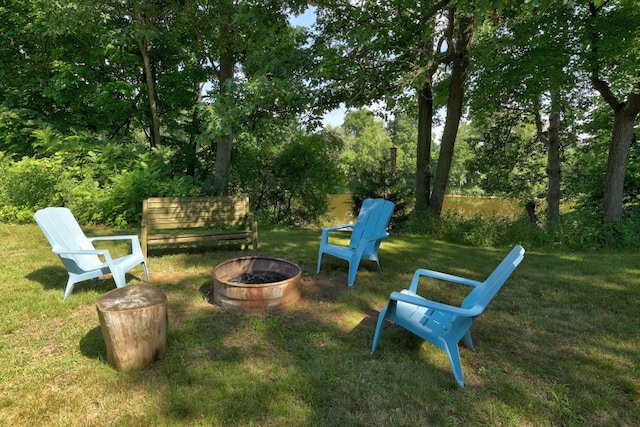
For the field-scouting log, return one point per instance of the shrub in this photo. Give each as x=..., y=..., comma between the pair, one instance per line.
x=28, y=185
x=576, y=230
x=288, y=182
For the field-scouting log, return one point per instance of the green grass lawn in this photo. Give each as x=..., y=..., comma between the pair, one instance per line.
x=557, y=346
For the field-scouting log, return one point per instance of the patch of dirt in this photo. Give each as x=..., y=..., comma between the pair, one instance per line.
x=322, y=287
x=167, y=277
x=325, y=287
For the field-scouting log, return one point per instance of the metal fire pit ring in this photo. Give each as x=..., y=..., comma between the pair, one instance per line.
x=256, y=283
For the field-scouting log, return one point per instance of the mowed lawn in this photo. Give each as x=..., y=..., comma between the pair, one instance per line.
x=558, y=345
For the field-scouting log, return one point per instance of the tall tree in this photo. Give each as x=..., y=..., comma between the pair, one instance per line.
x=612, y=36
x=146, y=14
x=226, y=63
x=551, y=139
x=525, y=63
x=459, y=59
x=399, y=53
x=258, y=62
x=384, y=52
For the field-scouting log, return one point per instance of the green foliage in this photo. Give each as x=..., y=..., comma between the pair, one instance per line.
x=581, y=230
x=461, y=179
x=16, y=131
x=288, y=175
x=508, y=159
x=576, y=230
x=368, y=161
x=27, y=185
x=105, y=185
x=454, y=227
x=150, y=174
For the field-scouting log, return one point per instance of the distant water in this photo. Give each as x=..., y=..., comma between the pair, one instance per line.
x=487, y=206
x=342, y=207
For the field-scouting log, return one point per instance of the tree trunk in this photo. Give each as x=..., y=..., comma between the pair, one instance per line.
x=191, y=158
x=151, y=90
x=618, y=159
x=553, y=161
x=454, y=113
x=625, y=114
x=530, y=208
x=423, y=161
x=134, y=325
x=225, y=76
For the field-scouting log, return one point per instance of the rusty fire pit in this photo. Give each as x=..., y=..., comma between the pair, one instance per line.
x=256, y=283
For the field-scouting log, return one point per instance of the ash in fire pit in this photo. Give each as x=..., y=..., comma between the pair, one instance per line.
x=256, y=283
x=258, y=278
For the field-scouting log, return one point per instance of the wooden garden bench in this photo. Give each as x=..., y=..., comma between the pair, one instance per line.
x=192, y=220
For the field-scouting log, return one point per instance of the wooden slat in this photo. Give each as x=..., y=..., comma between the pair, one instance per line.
x=159, y=239
x=197, y=213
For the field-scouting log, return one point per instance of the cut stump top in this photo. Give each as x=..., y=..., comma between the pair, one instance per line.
x=131, y=297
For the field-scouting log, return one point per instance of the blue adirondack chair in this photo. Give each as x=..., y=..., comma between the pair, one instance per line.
x=367, y=233
x=441, y=324
x=79, y=256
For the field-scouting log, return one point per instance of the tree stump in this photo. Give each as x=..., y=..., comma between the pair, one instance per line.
x=134, y=321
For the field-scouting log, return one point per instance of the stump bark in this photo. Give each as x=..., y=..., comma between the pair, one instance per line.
x=134, y=322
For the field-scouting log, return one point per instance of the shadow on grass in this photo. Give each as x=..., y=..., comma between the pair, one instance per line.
x=195, y=249
x=544, y=348
x=92, y=345
x=55, y=278
x=310, y=365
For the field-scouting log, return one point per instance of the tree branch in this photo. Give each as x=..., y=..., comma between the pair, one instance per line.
x=604, y=89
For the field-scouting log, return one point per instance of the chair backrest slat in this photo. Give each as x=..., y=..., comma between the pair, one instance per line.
x=373, y=220
x=484, y=293
x=64, y=234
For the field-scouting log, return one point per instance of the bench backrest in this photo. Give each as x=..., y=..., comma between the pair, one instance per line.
x=166, y=213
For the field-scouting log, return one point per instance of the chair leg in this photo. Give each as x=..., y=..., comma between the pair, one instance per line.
x=376, y=335
x=67, y=291
x=319, y=261
x=353, y=270
x=146, y=272
x=119, y=277
x=453, y=353
x=378, y=264
x=467, y=340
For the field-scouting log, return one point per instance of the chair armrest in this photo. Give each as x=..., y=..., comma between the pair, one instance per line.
x=423, y=302
x=99, y=252
x=374, y=238
x=82, y=252
x=338, y=227
x=135, y=242
x=325, y=231
x=125, y=237
x=421, y=272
